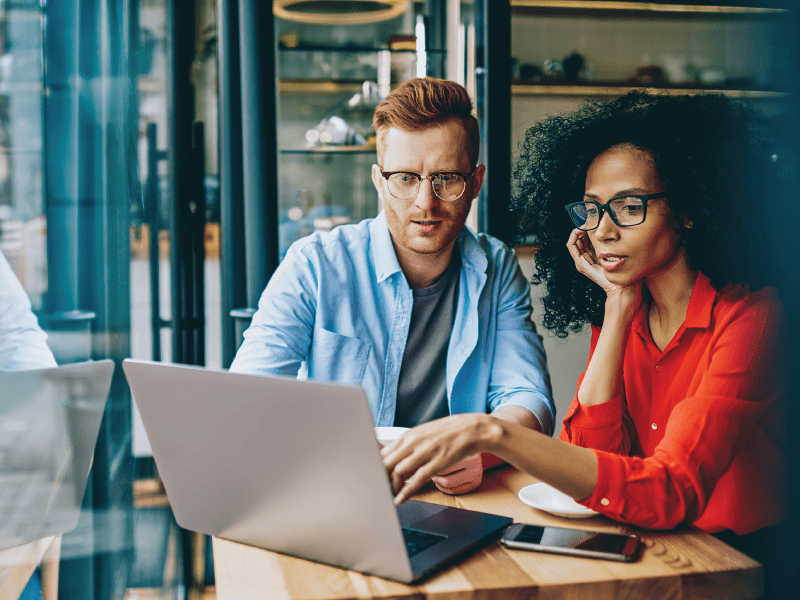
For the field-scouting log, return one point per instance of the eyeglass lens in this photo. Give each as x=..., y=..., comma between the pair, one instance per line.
x=447, y=186
x=624, y=211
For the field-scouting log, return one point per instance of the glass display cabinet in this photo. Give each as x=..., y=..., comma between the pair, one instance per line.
x=330, y=79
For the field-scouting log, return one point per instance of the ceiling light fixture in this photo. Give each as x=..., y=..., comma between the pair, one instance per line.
x=339, y=12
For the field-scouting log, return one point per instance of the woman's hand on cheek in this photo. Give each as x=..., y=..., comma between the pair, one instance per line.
x=586, y=261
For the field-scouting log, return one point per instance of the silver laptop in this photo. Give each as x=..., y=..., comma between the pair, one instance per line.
x=49, y=421
x=294, y=467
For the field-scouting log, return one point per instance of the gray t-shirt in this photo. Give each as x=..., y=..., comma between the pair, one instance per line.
x=422, y=389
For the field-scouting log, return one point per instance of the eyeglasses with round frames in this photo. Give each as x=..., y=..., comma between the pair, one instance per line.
x=625, y=211
x=448, y=187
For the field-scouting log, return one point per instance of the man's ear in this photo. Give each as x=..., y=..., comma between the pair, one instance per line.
x=477, y=180
x=377, y=179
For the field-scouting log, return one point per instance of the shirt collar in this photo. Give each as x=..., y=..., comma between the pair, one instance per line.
x=701, y=304
x=698, y=314
x=385, y=259
x=472, y=253
x=383, y=255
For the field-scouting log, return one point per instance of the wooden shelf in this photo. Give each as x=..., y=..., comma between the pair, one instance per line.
x=319, y=86
x=333, y=150
x=586, y=89
x=356, y=50
x=621, y=7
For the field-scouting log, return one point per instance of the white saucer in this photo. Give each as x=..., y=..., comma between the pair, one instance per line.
x=549, y=499
x=386, y=435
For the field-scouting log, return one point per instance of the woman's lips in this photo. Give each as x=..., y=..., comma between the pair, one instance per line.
x=611, y=262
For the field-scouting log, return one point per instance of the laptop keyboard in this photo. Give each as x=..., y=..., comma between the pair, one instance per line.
x=417, y=541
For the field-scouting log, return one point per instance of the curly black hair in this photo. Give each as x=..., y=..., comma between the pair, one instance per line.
x=718, y=159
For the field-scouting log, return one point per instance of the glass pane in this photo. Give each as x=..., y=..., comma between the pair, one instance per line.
x=321, y=189
x=331, y=78
x=66, y=186
x=158, y=542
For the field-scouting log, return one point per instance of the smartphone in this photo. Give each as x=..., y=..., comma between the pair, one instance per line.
x=576, y=542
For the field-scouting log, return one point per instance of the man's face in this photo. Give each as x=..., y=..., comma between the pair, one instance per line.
x=425, y=224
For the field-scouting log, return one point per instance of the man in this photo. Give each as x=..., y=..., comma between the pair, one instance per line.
x=23, y=346
x=427, y=317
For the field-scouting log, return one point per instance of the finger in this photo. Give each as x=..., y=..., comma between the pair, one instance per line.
x=392, y=455
x=588, y=248
x=452, y=479
x=414, y=481
x=581, y=248
x=464, y=488
x=399, y=480
x=573, y=237
x=395, y=452
x=410, y=487
x=469, y=470
x=459, y=466
x=574, y=244
x=408, y=462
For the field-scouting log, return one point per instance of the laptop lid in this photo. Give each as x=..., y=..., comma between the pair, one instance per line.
x=49, y=422
x=290, y=466
x=287, y=465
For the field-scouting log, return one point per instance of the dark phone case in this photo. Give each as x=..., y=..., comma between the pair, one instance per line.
x=509, y=541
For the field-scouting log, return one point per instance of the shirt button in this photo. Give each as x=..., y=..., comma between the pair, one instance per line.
x=654, y=426
x=658, y=367
x=605, y=502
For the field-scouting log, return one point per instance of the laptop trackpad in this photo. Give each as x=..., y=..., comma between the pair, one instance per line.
x=413, y=511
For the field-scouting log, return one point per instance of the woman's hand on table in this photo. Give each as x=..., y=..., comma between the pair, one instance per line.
x=434, y=449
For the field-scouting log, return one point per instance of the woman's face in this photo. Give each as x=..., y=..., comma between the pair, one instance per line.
x=644, y=251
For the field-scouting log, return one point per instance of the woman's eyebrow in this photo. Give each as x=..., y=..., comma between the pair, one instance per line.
x=621, y=193
x=632, y=191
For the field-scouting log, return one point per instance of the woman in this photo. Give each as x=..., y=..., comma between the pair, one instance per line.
x=671, y=208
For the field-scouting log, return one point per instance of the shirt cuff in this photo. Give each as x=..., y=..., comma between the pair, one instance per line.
x=597, y=416
x=539, y=407
x=608, y=497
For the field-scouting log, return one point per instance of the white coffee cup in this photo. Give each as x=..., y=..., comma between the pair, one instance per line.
x=386, y=435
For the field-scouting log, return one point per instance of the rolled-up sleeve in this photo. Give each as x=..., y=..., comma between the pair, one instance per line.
x=601, y=426
x=519, y=374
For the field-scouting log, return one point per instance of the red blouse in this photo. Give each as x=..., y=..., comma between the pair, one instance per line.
x=696, y=435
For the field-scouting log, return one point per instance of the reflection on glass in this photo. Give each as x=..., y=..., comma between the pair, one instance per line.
x=49, y=420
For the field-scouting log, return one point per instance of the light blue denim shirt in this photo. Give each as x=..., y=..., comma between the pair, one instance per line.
x=22, y=342
x=340, y=303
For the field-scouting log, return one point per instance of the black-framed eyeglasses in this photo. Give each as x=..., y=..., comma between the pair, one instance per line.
x=448, y=186
x=625, y=211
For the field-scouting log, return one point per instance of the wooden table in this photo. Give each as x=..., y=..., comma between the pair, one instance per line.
x=17, y=565
x=678, y=564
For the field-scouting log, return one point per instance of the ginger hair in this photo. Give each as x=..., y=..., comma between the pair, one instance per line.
x=427, y=102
